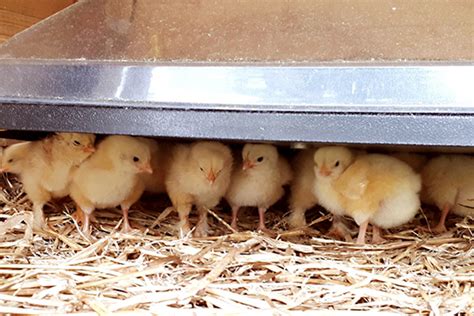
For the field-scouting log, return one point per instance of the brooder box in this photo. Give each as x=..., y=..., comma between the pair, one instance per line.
x=358, y=72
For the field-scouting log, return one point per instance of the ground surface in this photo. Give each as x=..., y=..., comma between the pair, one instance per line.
x=151, y=271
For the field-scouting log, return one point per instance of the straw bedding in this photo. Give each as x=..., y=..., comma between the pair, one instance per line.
x=153, y=272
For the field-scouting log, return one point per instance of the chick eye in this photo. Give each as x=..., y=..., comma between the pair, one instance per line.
x=259, y=159
x=10, y=160
x=136, y=159
x=201, y=168
x=76, y=143
x=336, y=164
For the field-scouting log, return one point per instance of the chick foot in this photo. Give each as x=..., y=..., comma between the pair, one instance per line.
x=78, y=216
x=261, y=219
x=202, y=227
x=377, y=236
x=297, y=219
x=183, y=227
x=340, y=232
x=126, y=227
x=235, y=212
x=339, y=229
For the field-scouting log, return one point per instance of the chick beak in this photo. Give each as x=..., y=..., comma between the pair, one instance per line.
x=247, y=164
x=89, y=149
x=145, y=168
x=325, y=171
x=2, y=170
x=211, y=177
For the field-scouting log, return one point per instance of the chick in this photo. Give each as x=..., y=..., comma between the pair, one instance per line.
x=45, y=167
x=111, y=177
x=259, y=182
x=376, y=189
x=160, y=161
x=302, y=196
x=416, y=161
x=448, y=183
x=199, y=175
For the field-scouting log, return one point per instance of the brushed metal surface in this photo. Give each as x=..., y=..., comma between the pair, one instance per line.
x=250, y=31
x=359, y=72
x=359, y=88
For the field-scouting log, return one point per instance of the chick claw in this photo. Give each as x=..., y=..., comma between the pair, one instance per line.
x=376, y=235
x=340, y=232
x=78, y=216
x=183, y=228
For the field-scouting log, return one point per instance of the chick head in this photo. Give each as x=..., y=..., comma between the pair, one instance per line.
x=210, y=159
x=330, y=162
x=77, y=141
x=256, y=156
x=13, y=157
x=132, y=154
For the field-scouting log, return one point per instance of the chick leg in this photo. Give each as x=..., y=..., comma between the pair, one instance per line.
x=261, y=218
x=362, y=231
x=297, y=218
x=129, y=201
x=183, y=226
x=201, y=226
x=235, y=213
x=376, y=235
x=126, y=228
x=441, y=227
x=78, y=216
x=38, y=216
x=86, y=226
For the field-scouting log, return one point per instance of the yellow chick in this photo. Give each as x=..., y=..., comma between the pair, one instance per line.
x=259, y=182
x=111, y=177
x=160, y=161
x=416, y=161
x=199, y=174
x=448, y=183
x=302, y=196
x=376, y=189
x=45, y=167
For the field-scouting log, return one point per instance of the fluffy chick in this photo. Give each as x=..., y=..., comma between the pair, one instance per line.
x=302, y=196
x=160, y=163
x=376, y=189
x=259, y=182
x=199, y=175
x=45, y=167
x=448, y=183
x=111, y=177
x=416, y=161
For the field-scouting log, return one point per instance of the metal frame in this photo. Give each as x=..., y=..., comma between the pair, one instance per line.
x=270, y=70
x=405, y=104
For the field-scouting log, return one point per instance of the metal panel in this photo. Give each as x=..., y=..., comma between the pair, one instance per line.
x=424, y=88
x=368, y=72
x=253, y=31
x=396, y=129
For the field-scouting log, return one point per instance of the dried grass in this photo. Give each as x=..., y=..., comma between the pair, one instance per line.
x=153, y=272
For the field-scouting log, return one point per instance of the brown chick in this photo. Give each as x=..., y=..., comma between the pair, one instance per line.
x=111, y=177
x=376, y=189
x=45, y=167
x=259, y=182
x=199, y=174
x=302, y=196
x=448, y=183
